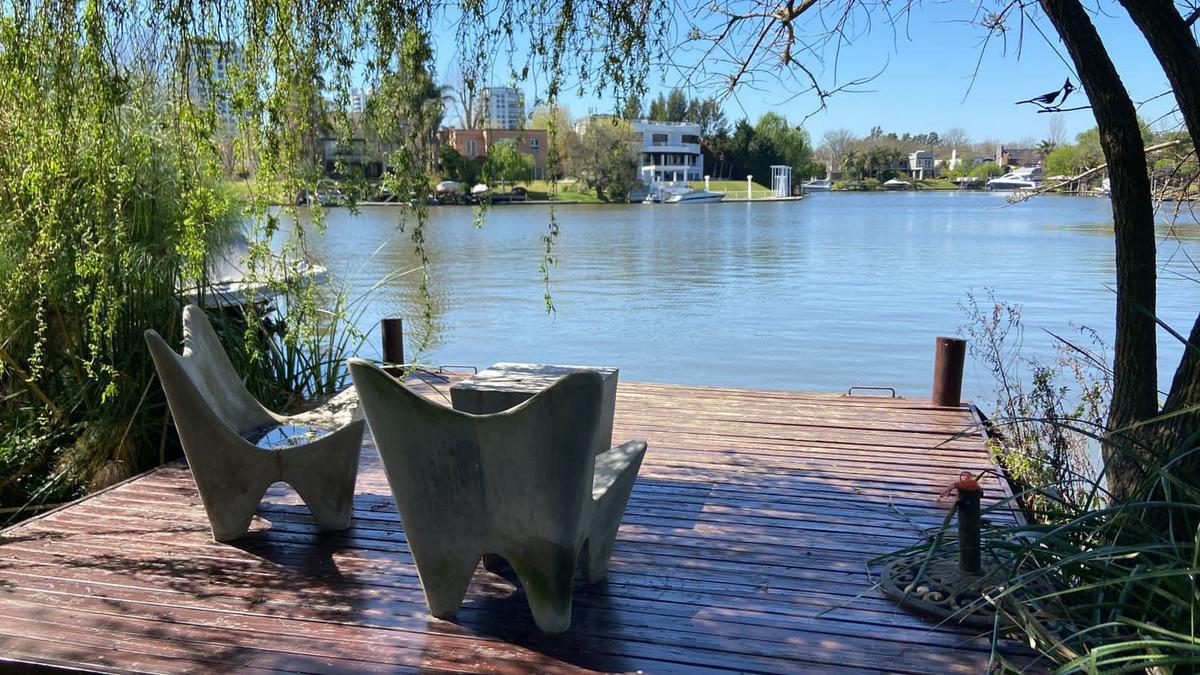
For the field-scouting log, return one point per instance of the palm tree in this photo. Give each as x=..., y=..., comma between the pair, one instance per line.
x=1046, y=147
x=850, y=163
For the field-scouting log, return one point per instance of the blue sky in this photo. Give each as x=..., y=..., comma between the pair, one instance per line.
x=926, y=71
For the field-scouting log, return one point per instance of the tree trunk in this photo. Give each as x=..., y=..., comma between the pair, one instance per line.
x=1172, y=41
x=1135, y=372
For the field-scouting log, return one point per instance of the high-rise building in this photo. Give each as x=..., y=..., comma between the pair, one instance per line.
x=358, y=99
x=209, y=66
x=502, y=107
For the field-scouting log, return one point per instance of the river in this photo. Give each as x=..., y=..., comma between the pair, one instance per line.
x=836, y=290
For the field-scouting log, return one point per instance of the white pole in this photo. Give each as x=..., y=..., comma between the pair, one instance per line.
x=706, y=183
x=749, y=193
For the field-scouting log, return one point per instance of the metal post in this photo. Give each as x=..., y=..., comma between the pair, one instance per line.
x=969, y=496
x=392, y=333
x=948, y=359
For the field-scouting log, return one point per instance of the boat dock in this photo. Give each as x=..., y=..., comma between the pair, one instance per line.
x=745, y=547
x=792, y=198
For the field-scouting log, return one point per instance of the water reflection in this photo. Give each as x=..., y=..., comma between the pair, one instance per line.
x=833, y=291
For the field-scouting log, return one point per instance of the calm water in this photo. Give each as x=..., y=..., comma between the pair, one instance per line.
x=832, y=291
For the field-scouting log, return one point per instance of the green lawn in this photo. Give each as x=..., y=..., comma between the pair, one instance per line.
x=935, y=184
x=568, y=191
x=734, y=188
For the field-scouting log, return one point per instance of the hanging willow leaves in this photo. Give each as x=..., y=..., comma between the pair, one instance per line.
x=125, y=126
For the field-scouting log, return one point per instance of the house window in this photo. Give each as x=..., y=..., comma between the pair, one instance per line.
x=534, y=144
x=472, y=147
x=690, y=138
x=659, y=139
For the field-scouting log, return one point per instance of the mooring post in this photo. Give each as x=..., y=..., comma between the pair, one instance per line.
x=969, y=496
x=948, y=358
x=392, y=333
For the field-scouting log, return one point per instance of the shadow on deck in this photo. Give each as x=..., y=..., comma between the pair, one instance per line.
x=745, y=547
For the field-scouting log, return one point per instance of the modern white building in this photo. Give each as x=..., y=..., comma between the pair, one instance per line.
x=921, y=164
x=670, y=151
x=502, y=107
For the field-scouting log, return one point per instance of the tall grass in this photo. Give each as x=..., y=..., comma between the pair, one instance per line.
x=1114, y=588
x=112, y=198
x=1091, y=585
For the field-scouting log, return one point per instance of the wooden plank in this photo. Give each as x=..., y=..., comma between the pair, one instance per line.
x=744, y=547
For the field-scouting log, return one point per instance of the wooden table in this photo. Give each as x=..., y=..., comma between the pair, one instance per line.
x=505, y=385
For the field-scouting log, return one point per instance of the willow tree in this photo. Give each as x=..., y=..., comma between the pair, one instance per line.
x=120, y=123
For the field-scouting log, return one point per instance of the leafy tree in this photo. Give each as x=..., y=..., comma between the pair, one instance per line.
x=1063, y=160
x=605, y=158
x=777, y=142
x=505, y=163
x=658, y=109
x=633, y=108
x=708, y=114
x=718, y=151
x=556, y=120
x=987, y=170
x=458, y=168
x=676, y=106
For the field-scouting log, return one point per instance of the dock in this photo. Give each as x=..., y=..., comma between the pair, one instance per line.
x=745, y=547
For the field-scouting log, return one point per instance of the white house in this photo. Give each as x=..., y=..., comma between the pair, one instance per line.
x=670, y=151
x=920, y=164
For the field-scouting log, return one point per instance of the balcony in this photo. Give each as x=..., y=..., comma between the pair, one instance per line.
x=679, y=148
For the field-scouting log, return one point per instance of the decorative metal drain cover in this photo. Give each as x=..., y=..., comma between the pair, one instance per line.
x=951, y=583
x=943, y=592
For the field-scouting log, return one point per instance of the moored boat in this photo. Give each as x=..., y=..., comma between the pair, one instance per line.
x=694, y=197
x=1029, y=178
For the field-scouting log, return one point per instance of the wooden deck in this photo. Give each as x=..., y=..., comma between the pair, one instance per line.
x=744, y=547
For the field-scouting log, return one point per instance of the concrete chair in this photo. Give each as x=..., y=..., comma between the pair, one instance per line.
x=222, y=429
x=524, y=484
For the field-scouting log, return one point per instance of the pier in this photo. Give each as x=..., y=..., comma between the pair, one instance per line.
x=745, y=547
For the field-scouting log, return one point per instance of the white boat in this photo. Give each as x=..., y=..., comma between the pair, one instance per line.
x=817, y=185
x=694, y=197
x=1028, y=178
x=896, y=184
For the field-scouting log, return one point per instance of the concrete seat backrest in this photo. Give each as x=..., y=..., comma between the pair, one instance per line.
x=522, y=475
x=208, y=367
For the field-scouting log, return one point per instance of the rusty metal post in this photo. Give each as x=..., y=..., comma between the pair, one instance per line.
x=948, y=359
x=392, y=333
x=969, y=496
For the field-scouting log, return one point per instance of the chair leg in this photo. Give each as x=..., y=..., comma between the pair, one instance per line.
x=445, y=576
x=609, y=511
x=547, y=574
x=231, y=510
x=324, y=474
x=593, y=561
